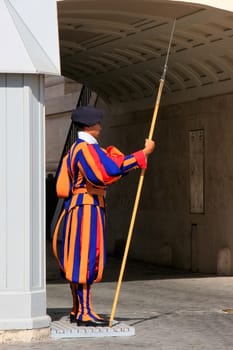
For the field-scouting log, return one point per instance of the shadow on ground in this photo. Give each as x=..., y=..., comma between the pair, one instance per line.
x=58, y=314
x=134, y=270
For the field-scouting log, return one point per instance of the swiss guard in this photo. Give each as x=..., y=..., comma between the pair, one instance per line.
x=85, y=173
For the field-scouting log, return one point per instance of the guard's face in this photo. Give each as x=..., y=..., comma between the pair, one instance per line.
x=95, y=130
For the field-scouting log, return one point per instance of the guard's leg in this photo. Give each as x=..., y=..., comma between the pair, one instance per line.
x=74, y=311
x=86, y=315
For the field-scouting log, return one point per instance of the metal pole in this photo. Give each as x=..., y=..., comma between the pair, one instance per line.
x=140, y=183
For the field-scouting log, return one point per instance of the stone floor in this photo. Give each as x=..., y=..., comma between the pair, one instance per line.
x=170, y=310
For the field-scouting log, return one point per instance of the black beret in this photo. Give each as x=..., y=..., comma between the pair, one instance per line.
x=87, y=115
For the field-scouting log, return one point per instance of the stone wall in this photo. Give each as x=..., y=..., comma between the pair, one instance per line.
x=167, y=232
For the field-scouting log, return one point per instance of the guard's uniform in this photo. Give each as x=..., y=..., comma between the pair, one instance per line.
x=85, y=173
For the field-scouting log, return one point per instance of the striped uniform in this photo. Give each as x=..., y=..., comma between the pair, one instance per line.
x=85, y=173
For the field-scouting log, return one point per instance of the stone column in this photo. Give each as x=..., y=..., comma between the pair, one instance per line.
x=22, y=202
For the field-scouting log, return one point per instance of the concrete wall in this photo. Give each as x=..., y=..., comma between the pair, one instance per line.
x=166, y=232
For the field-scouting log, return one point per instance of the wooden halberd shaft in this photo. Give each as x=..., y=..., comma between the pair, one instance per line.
x=140, y=183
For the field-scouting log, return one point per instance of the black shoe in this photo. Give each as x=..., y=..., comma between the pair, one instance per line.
x=72, y=318
x=92, y=323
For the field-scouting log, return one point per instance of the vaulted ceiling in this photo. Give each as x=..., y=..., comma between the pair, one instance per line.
x=118, y=48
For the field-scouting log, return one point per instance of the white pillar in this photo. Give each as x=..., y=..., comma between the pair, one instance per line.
x=22, y=202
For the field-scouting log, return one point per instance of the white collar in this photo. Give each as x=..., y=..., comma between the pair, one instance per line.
x=85, y=136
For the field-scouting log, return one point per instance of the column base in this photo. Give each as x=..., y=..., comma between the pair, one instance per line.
x=24, y=336
x=25, y=323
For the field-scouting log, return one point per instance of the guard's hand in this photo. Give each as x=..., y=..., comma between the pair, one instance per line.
x=149, y=147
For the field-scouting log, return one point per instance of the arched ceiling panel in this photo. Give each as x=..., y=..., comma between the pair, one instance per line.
x=119, y=47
